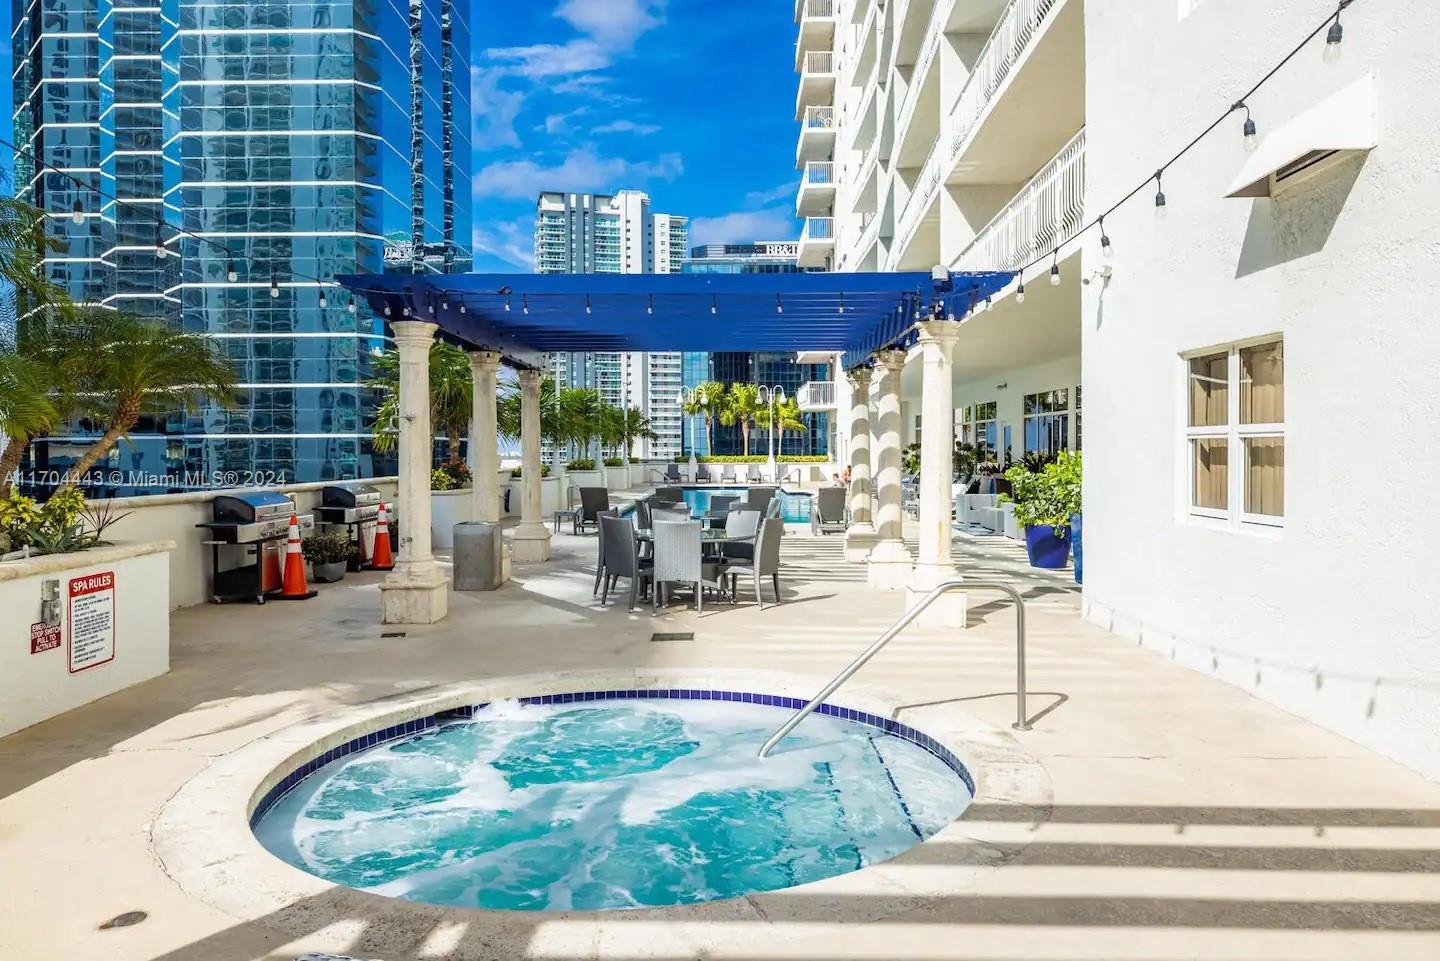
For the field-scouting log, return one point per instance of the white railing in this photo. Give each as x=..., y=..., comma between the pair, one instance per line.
x=818, y=228
x=819, y=173
x=919, y=200
x=816, y=395
x=818, y=118
x=1042, y=215
x=928, y=48
x=819, y=62
x=815, y=10
x=1012, y=36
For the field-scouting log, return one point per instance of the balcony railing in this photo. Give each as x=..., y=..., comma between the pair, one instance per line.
x=928, y=47
x=1047, y=210
x=818, y=118
x=819, y=173
x=1012, y=36
x=818, y=228
x=819, y=62
x=814, y=10
x=816, y=395
x=918, y=202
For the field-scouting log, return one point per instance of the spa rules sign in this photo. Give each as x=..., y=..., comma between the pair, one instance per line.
x=92, y=621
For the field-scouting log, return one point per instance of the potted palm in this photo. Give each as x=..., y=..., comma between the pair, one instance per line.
x=328, y=554
x=1044, y=504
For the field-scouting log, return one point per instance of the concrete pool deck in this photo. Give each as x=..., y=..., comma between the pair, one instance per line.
x=1187, y=819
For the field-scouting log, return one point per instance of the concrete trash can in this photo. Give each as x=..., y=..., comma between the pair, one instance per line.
x=478, y=556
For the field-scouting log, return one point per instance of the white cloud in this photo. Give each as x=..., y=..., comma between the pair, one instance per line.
x=613, y=23
x=512, y=242
x=626, y=126
x=744, y=226
x=540, y=60
x=496, y=110
x=560, y=122
x=764, y=198
x=583, y=171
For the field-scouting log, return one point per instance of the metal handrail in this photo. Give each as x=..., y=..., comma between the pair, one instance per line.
x=1022, y=722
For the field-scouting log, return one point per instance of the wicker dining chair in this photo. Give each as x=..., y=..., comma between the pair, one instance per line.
x=622, y=558
x=679, y=560
x=766, y=562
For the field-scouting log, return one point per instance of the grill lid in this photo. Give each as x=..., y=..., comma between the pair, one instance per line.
x=350, y=495
x=246, y=507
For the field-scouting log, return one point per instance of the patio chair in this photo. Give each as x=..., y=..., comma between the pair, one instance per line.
x=570, y=512
x=702, y=474
x=671, y=494
x=600, y=552
x=672, y=473
x=829, y=513
x=759, y=498
x=765, y=564
x=593, y=500
x=679, y=560
x=752, y=474
x=669, y=512
x=720, y=504
x=642, y=513
x=622, y=558
x=775, y=508
x=740, y=529
x=727, y=474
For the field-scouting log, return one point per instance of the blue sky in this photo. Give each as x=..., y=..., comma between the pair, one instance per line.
x=689, y=100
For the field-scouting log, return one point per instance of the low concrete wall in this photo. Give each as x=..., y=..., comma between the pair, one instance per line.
x=119, y=635
x=172, y=517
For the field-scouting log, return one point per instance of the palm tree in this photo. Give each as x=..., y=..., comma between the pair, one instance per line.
x=706, y=400
x=740, y=405
x=507, y=410
x=582, y=412
x=24, y=240
x=451, y=395
x=787, y=417
x=624, y=426
x=26, y=410
x=138, y=365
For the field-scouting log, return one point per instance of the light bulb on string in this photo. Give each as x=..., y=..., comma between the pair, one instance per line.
x=1248, y=131
x=1333, y=37
x=714, y=305
x=78, y=216
x=324, y=300
x=1106, y=249
x=1055, y=270
x=350, y=306
x=841, y=308
x=274, y=285
x=387, y=310
x=507, y=307
x=1020, y=291
x=525, y=304
x=779, y=307
x=587, y=304
x=650, y=305
x=231, y=274
x=404, y=311
x=1161, y=207
x=160, y=250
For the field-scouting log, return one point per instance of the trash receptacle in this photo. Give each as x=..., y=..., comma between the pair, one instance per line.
x=478, y=556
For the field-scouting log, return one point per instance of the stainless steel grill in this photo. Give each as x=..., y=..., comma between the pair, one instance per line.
x=253, y=516
x=349, y=504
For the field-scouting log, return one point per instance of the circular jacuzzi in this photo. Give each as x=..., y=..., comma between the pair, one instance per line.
x=615, y=799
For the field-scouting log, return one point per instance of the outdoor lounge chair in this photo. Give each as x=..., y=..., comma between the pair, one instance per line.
x=727, y=474
x=679, y=560
x=672, y=474
x=752, y=474
x=828, y=516
x=702, y=474
x=622, y=558
x=593, y=500
x=766, y=562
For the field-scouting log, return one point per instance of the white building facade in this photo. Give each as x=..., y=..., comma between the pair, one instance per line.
x=616, y=234
x=1240, y=346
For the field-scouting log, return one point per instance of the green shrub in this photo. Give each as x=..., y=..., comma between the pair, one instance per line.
x=544, y=471
x=756, y=459
x=329, y=548
x=1048, y=497
x=614, y=462
x=581, y=463
x=52, y=528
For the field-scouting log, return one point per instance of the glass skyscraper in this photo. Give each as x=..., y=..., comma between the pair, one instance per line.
x=292, y=142
x=765, y=368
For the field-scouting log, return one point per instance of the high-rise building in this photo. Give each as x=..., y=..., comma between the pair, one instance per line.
x=291, y=143
x=616, y=234
x=769, y=369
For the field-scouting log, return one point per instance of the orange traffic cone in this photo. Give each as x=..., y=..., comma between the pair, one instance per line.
x=380, y=557
x=295, y=589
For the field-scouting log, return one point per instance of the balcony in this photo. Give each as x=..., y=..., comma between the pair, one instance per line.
x=817, y=242
x=1047, y=210
x=817, y=135
x=817, y=81
x=817, y=26
x=817, y=190
x=815, y=395
x=923, y=95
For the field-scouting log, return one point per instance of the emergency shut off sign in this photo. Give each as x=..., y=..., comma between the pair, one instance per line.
x=92, y=621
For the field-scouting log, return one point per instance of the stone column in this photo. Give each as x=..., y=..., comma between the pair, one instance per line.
x=532, y=538
x=415, y=592
x=890, y=561
x=937, y=444
x=484, y=451
x=860, y=535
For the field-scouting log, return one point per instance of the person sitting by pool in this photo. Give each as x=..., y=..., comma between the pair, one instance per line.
x=835, y=479
x=846, y=478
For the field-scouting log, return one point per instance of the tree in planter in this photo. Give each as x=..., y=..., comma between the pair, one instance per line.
x=1049, y=497
x=583, y=414
x=707, y=400
x=740, y=406
x=451, y=396
x=137, y=366
x=787, y=418
x=624, y=426
x=553, y=427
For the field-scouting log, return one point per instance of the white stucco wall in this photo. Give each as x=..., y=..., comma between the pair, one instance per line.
x=40, y=685
x=1333, y=616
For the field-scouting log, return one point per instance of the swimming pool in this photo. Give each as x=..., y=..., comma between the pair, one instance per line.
x=794, y=508
x=609, y=800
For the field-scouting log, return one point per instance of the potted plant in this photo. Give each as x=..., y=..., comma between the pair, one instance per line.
x=355, y=559
x=328, y=555
x=1044, y=503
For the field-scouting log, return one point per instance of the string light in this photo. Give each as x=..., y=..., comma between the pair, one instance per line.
x=1020, y=291
x=1106, y=250
x=274, y=285
x=462, y=306
x=387, y=310
x=324, y=301
x=1333, y=37
x=779, y=307
x=78, y=216
x=525, y=304
x=1248, y=130
x=714, y=305
x=1055, y=269
x=404, y=311
x=1160, y=207
x=841, y=308
x=160, y=250
x=650, y=305
x=231, y=274
x=507, y=306
x=587, y=304
x=350, y=306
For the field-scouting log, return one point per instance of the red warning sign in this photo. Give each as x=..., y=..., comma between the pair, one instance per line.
x=92, y=621
x=44, y=637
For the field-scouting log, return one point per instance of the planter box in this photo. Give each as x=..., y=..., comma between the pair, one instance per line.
x=639, y=474
x=552, y=496
x=617, y=478
x=113, y=628
x=448, y=508
x=585, y=478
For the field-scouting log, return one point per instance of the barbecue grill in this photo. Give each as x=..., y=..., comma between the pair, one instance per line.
x=349, y=504
x=258, y=521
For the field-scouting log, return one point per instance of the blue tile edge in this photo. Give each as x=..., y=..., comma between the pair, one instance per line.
x=407, y=729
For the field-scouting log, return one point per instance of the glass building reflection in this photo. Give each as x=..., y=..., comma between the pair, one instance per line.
x=305, y=140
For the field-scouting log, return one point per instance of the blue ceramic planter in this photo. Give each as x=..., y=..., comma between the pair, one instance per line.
x=1076, y=529
x=1045, y=549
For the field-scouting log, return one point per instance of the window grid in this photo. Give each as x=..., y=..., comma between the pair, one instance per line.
x=1221, y=450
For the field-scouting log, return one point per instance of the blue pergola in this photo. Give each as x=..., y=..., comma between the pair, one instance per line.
x=522, y=316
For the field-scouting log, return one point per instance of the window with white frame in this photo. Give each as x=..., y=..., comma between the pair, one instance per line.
x=979, y=426
x=1047, y=421
x=1235, y=399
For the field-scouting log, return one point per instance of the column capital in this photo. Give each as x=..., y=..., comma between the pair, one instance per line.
x=892, y=360
x=859, y=377
x=942, y=333
x=529, y=380
x=414, y=333
x=484, y=360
